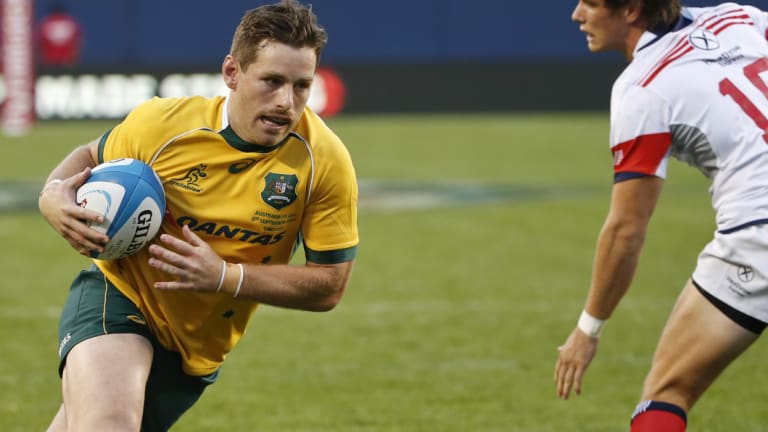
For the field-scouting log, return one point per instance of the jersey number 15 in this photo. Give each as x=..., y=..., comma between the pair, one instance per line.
x=752, y=72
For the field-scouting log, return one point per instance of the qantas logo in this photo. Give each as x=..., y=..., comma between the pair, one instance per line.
x=238, y=167
x=231, y=232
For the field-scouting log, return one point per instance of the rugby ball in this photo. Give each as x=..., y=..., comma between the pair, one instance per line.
x=130, y=195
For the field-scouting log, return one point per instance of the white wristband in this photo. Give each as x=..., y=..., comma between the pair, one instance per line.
x=240, y=282
x=590, y=325
x=223, y=273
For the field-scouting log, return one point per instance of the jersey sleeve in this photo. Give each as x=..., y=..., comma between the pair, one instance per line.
x=329, y=229
x=135, y=135
x=760, y=18
x=640, y=134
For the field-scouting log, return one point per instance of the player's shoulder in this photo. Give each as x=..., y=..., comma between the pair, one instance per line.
x=329, y=151
x=721, y=16
x=191, y=111
x=315, y=131
x=725, y=8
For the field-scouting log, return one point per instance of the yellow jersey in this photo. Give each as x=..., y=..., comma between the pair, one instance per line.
x=250, y=203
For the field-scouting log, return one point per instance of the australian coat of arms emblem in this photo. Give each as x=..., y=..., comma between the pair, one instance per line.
x=279, y=190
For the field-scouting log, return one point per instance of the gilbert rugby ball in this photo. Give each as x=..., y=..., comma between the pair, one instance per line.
x=130, y=195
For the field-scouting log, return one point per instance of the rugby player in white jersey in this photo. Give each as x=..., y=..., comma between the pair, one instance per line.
x=695, y=90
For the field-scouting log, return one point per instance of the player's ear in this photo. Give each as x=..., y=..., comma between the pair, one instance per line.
x=633, y=11
x=229, y=70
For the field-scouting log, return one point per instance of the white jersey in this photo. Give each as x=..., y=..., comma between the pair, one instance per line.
x=699, y=93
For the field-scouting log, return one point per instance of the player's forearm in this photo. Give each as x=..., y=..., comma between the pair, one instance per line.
x=616, y=259
x=312, y=288
x=73, y=163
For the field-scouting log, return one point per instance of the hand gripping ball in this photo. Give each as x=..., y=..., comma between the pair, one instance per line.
x=130, y=195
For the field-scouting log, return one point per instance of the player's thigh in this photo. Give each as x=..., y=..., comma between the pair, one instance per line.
x=105, y=352
x=697, y=344
x=105, y=376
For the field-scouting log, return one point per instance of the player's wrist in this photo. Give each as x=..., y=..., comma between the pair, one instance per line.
x=50, y=185
x=231, y=280
x=223, y=275
x=590, y=325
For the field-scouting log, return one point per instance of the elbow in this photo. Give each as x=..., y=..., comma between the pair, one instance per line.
x=632, y=238
x=633, y=234
x=329, y=301
x=630, y=235
x=327, y=294
x=324, y=306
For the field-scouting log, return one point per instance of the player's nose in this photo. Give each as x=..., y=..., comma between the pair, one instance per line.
x=577, y=14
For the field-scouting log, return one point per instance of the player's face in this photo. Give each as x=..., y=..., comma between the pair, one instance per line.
x=606, y=29
x=269, y=96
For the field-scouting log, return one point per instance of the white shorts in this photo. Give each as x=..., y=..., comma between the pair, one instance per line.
x=733, y=268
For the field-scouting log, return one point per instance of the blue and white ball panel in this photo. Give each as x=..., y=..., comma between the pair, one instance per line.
x=130, y=196
x=103, y=197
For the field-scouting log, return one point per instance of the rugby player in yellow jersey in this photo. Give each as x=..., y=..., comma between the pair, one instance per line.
x=247, y=178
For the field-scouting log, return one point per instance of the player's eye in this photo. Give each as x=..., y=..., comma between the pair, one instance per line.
x=274, y=82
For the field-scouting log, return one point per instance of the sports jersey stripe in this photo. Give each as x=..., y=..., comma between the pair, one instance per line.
x=152, y=160
x=705, y=22
x=728, y=14
x=717, y=31
x=681, y=44
x=723, y=11
x=686, y=47
x=720, y=15
x=642, y=154
x=311, y=154
x=667, y=61
x=731, y=17
x=728, y=18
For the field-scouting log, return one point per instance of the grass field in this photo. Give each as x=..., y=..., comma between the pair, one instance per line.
x=477, y=235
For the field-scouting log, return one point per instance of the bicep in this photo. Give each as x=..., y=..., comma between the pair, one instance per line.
x=93, y=150
x=633, y=201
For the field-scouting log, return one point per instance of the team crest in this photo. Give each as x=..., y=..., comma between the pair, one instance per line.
x=280, y=190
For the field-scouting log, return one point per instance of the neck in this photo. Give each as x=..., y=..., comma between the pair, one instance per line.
x=633, y=37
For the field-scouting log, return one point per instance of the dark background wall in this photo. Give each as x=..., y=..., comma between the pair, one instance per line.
x=394, y=55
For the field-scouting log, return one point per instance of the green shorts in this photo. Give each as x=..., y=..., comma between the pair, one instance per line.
x=95, y=307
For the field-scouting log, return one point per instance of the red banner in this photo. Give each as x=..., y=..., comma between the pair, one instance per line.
x=328, y=93
x=17, y=112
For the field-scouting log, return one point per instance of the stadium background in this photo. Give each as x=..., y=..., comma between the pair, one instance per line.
x=479, y=134
x=393, y=56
